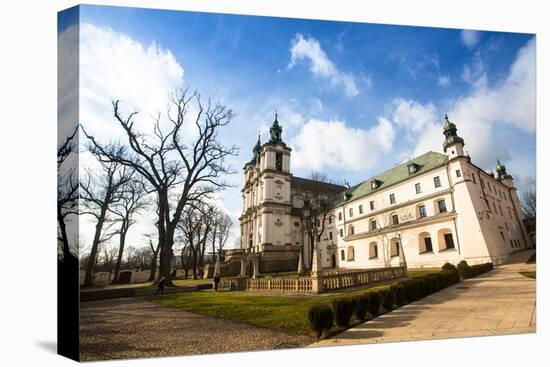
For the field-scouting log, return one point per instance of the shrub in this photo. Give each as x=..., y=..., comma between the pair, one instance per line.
x=374, y=303
x=321, y=318
x=449, y=266
x=434, y=283
x=387, y=298
x=343, y=309
x=361, y=306
x=476, y=270
x=463, y=269
x=398, y=293
x=449, y=277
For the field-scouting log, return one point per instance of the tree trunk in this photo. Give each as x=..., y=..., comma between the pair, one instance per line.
x=63, y=230
x=88, y=279
x=122, y=241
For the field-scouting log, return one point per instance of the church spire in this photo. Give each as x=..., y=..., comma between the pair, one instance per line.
x=275, y=131
x=257, y=149
x=501, y=171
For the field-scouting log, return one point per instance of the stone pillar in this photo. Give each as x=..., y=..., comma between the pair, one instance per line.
x=300, y=264
x=243, y=268
x=316, y=272
x=256, y=268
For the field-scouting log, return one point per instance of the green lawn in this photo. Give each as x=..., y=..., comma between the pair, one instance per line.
x=529, y=274
x=288, y=314
x=413, y=273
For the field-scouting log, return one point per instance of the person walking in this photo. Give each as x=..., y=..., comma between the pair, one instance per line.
x=160, y=286
x=216, y=281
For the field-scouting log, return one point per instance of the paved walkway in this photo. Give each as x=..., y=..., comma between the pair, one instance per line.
x=499, y=302
x=134, y=328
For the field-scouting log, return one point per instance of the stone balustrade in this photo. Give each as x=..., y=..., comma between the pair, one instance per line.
x=353, y=278
x=327, y=281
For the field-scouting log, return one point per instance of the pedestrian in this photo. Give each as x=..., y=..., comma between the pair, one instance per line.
x=160, y=286
x=216, y=281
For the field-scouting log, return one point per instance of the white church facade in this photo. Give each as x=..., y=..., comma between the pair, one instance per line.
x=435, y=208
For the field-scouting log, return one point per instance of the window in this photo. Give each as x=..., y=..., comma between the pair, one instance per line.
x=437, y=181
x=394, y=247
x=373, y=250
x=373, y=225
x=330, y=219
x=351, y=212
x=392, y=198
x=413, y=168
x=442, y=206
x=417, y=188
x=372, y=205
x=510, y=213
x=330, y=236
x=511, y=243
x=502, y=235
x=495, y=207
x=342, y=255
x=279, y=161
x=458, y=173
x=351, y=253
x=341, y=232
x=428, y=244
x=351, y=230
x=482, y=183
x=500, y=209
x=340, y=216
x=449, y=243
x=394, y=219
x=360, y=209
x=474, y=178
x=422, y=211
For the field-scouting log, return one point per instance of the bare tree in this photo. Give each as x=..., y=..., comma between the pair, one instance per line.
x=220, y=232
x=528, y=197
x=98, y=194
x=177, y=169
x=196, y=226
x=67, y=193
x=317, y=205
x=130, y=204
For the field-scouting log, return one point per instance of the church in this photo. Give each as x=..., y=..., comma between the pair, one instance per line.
x=435, y=208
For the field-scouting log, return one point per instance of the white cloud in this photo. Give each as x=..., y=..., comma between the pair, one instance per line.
x=477, y=114
x=333, y=144
x=470, y=38
x=115, y=66
x=320, y=65
x=443, y=80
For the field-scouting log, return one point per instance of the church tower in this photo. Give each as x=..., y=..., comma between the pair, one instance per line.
x=266, y=219
x=453, y=144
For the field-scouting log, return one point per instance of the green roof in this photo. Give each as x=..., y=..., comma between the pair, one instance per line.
x=425, y=163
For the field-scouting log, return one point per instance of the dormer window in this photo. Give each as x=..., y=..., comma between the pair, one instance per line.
x=375, y=184
x=413, y=168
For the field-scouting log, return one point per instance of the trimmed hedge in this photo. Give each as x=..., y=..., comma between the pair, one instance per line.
x=476, y=270
x=387, y=299
x=448, y=266
x=320, y=318
x=343, y=309
x=463, y=269
x=374, y=303
x=361, y=306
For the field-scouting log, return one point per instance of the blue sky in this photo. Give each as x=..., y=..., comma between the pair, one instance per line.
x=354, y=99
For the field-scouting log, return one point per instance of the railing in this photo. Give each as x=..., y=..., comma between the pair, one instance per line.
x=353, y=278
x=331, y=280
x=287, y=285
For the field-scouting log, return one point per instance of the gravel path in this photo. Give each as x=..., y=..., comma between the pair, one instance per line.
x=134, y=328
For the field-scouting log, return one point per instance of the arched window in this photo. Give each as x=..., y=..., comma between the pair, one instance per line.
x=445, y=239
x=373, y=250
x=351, y=253
x=424, y=243
x=394, y=247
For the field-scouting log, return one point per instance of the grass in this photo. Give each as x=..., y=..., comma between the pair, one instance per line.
x=529, y=274
x=413, y=273
x=284, y=313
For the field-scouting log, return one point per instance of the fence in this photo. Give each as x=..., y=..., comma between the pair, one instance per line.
x=330, y=281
